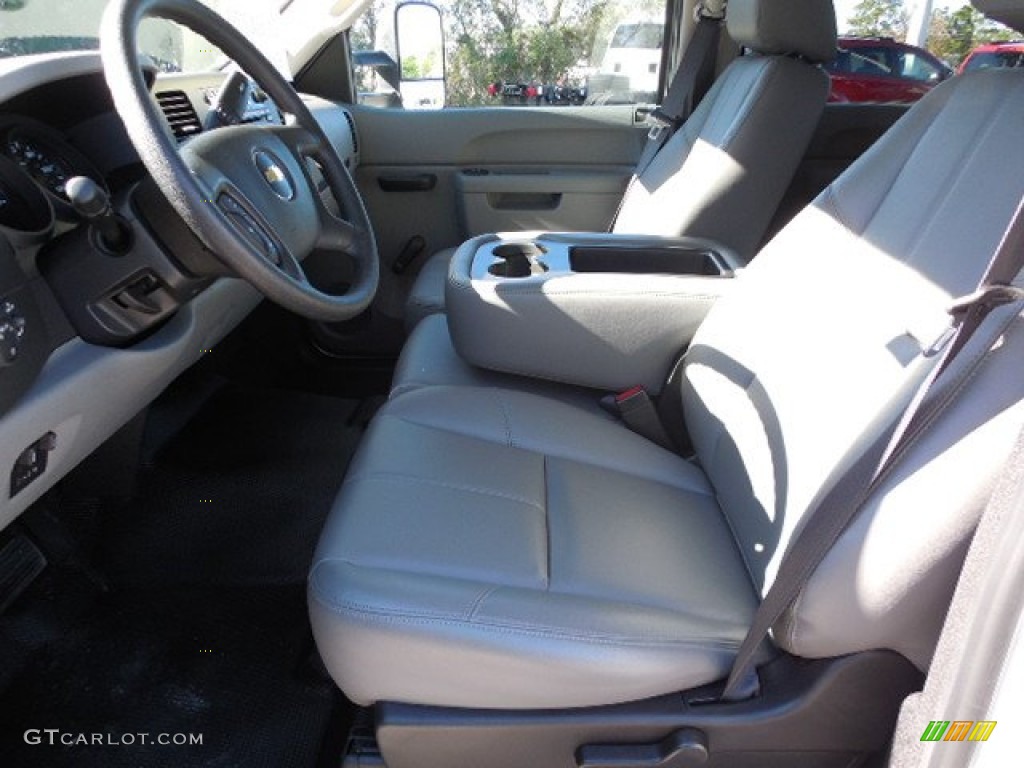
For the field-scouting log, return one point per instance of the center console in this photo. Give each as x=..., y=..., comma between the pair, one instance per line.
x=597, y=310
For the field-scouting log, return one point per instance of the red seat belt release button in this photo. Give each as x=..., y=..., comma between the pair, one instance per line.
x=638, y=412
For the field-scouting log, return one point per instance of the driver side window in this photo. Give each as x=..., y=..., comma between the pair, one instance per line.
x=496, y=53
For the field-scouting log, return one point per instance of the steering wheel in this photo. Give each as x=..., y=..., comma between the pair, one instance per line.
x=246, y=191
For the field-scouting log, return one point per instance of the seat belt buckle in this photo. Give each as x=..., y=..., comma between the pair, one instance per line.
x=638, y=412
x=632, y=398
x=660, y=122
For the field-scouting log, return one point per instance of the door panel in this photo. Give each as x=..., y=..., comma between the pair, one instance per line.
x=511, y=199
x=432, y=179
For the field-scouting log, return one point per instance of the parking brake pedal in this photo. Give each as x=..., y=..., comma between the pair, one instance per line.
x=20, y=563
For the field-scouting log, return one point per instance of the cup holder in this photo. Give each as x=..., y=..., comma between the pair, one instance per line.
x=518, y=260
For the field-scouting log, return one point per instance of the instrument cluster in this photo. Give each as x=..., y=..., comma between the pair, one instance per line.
x=47, y=160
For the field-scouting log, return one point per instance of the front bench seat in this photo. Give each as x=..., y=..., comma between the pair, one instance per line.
x=723, y=174
x=499, y=549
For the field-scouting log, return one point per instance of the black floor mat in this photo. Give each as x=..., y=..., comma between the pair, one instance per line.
x=239, y=495
x=204, y=630
x=229, y=665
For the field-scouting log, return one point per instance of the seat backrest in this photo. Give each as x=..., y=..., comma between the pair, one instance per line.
x=818, y=347
x=723, y=174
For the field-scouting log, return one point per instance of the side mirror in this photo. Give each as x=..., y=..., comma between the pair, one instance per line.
x=419, y=34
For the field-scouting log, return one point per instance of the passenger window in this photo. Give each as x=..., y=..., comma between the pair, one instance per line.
x=915, y=67
x=532, y=53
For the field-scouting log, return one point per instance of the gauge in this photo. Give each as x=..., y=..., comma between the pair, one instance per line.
x=45, y=156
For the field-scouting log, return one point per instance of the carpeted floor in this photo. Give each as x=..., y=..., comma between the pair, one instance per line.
x=190, y=617
x=239, y=495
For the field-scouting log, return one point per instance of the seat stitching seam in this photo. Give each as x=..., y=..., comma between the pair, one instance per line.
x=884, y=198
x=362, y=606
x=584, y=461
x=739, y=121
x=789, y=626
x=445, y=429
x=505, y=416
x=959, y=170
x=408, y=386
x=478, y=603
x=832, y=199
x=395, y=617
x=402, y=477
x=547, y=525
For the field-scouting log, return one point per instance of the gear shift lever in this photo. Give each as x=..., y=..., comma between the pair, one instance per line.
x=92, y=204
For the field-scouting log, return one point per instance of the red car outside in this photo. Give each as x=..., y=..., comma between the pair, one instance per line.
x=994, y=55
x=882, y=70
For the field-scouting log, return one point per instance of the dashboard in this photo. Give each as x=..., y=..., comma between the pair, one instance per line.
x=88, y=338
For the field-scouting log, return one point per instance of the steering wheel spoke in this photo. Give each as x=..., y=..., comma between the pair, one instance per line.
x=337, y=234
x=314, y=153
x=302, y=142
x=247, y=191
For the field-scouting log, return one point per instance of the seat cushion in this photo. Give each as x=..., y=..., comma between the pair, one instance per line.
x=493, y=548
x=429, y=359
x=427, y=294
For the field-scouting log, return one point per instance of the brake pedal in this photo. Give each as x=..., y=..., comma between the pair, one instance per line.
x=21, y=562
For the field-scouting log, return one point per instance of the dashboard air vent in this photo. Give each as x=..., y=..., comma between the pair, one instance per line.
x=180, y=114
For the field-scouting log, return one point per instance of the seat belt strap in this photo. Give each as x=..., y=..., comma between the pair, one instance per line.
x=691, y=81
x=830, y=515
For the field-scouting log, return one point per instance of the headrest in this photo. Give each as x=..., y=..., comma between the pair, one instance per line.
x=1009, y=12
x=803, y=27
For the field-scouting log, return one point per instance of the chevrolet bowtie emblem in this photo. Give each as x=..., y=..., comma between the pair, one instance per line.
x=274, y=174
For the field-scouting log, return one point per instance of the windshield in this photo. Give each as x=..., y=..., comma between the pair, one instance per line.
x=42, y=26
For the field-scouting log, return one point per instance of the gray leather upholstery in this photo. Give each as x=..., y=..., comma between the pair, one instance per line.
x=549, y=546
x=427, y=293
x=800, y=27
x=723, y=174
x=906, y=230
x=429, y=359
x=493, y=548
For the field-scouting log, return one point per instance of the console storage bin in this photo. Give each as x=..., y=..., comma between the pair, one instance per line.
x=597, y=310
